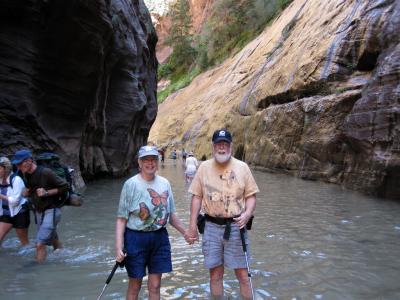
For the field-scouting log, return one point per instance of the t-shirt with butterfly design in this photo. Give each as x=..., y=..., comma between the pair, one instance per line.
x=146, y=205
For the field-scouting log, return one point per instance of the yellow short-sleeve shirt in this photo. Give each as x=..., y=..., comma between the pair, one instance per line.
x=223, y=189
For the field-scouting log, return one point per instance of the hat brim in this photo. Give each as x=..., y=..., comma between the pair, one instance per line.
x=18, y=161
x=149, y=153
x=222, y=139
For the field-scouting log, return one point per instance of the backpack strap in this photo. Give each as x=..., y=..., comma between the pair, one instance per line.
x=12, y=177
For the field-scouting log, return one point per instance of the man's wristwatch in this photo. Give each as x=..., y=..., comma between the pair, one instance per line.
x=46, y=193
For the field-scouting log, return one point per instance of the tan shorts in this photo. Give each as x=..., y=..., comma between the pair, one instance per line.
x=218, y=251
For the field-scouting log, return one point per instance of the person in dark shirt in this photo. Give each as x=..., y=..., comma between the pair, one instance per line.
x=45, y=191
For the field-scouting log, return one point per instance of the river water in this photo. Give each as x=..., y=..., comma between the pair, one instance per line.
x=310, y=240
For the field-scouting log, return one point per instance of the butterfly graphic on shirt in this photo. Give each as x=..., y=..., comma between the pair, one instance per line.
x=144, y=211
x=163, y=221
x=160, y=202
x=157, y=199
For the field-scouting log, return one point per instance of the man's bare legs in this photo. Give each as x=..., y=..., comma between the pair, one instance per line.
x=40, y=253
x=216, y=282
x=244, y=283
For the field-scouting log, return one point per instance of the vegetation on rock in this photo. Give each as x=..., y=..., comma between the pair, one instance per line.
x=231, y=25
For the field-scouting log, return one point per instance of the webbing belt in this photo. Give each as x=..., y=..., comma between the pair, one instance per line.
x=222, y=221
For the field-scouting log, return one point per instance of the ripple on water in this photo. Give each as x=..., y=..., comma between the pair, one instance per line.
x=200, y=291
x=77, y=255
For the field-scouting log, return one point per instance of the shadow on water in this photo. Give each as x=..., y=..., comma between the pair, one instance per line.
x=309, y=241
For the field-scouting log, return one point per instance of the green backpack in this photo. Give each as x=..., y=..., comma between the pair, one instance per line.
x=52, y=161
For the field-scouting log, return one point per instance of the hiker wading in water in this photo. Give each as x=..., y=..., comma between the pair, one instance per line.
x=13, y=210
x=44, y=188
x=146, y=206
x=226, y=191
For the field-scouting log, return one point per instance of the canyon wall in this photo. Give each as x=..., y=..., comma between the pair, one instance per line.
x=315, y=95
x=78, y=78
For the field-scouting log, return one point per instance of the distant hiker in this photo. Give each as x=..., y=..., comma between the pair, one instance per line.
x=162, y=154
x=174, y=155
x=52, y=161
x=13, y=209
x=146, y=206
x=226, y=191
x=45, y=190
x=184, y=155
x=191, y=167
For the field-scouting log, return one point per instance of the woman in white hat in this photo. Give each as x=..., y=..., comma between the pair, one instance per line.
x=145, y=209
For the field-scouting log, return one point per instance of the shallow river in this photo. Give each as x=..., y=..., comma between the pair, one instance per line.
x=310, y=240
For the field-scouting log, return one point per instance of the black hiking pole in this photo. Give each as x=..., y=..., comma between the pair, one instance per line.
x=117, y=264
x=247, y=261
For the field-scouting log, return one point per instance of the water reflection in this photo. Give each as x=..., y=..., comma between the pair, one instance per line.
x=309, y=241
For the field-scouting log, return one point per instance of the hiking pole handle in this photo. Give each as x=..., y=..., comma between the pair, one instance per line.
x=117, y=264
x=243, y=239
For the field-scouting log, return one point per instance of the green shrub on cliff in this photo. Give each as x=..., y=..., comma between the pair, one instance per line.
x=180, y=38
x=177, y=82
x=231, y=25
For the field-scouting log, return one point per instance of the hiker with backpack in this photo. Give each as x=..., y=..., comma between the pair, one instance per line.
x=52, y=161
x=46, y=192
x=13, y=209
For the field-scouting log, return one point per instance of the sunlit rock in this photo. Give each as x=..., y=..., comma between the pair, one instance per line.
x=315, y=95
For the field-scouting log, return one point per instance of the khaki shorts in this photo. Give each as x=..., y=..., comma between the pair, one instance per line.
x=218, y=251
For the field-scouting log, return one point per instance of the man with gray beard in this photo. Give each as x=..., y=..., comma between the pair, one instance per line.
x=225, y=190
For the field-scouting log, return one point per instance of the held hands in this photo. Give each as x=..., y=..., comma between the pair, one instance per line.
x=191, y=236
x=242, y=219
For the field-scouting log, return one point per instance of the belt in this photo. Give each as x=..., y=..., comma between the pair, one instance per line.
x=222, y=221
x=219, y=221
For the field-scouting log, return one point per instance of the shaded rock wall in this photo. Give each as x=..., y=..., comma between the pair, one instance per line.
x=78, y=77
x=315, y=95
